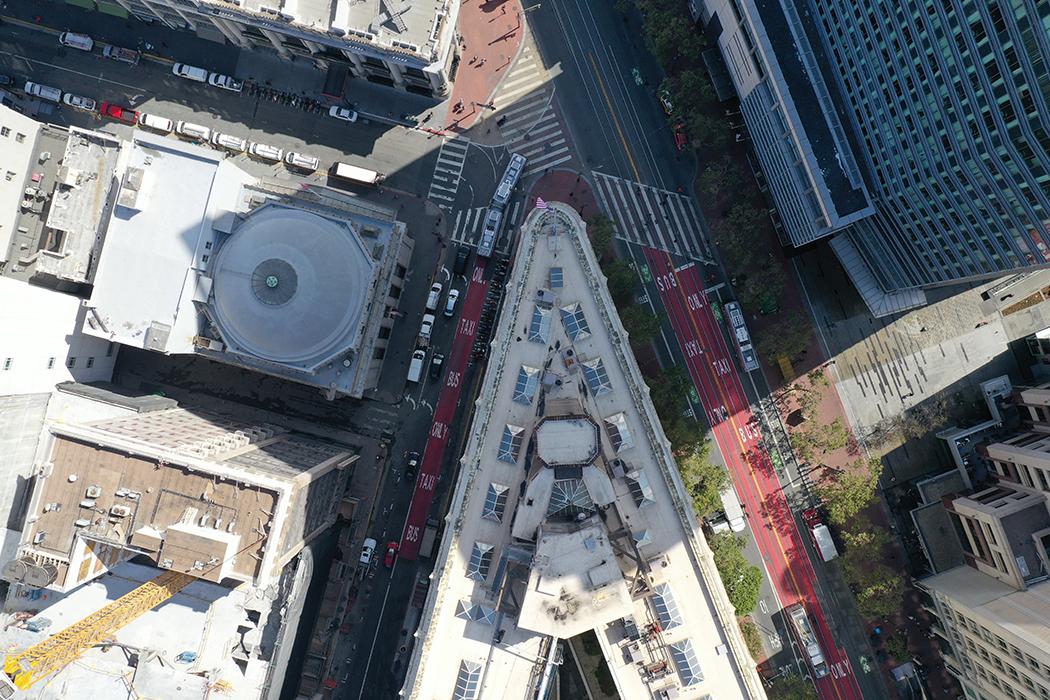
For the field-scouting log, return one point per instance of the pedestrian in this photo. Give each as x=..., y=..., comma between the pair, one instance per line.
x=482, y=62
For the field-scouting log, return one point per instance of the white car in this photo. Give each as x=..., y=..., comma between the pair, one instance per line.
x=368, y=548
x=344, y=113
x=427, y=327
x=230, y=143
x=152, y=121
x=450, y=302
x=78, y=102
x=265, y=152
x=301, y=161
x=225, y=82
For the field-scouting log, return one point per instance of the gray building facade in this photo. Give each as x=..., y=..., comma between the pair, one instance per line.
x=914, y=133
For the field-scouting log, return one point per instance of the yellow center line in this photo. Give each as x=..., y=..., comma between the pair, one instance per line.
x=740, y=443
x=612, y=113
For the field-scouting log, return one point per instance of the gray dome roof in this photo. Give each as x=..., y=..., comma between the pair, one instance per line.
x=290, y=286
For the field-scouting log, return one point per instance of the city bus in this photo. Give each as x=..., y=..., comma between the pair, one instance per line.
x=352, y=173
x=740, y=335
x=803, y=632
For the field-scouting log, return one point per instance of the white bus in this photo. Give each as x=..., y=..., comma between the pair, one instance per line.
x=741, y=336
x=807, y=639
x=352, y=173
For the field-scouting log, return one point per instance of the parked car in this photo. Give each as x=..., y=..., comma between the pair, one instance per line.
x=123, y=55
x=411, y=466
x=368, y=548
x=391, y=554
x=434, y=296
x=193, y=131
x=230, y=143
x=426, y=328
x=680, y=138
x=79, y=102
x=266, y=152
x=665, y=101
x=344, y=113
x=198, y=75
x=161, y=124
x=122, y=114
x=76, y=41
x=450, y=302
x=225, y=82
x=44, y=92
x=436, y=363
x=6, y=80
x=415, y=367
x=301, y=161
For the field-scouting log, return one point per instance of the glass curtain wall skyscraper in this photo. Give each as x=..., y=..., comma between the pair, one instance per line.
x=916, y=133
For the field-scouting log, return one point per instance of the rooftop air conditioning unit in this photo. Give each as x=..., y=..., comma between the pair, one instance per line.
x=120, y=511
x=93, y=491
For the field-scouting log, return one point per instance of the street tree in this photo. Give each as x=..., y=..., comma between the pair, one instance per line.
x=788, y=336
x=741, y=579
x=641, y=323
x=704, y=480
x=705, y=130
x=602, y=229
x=722, y=175
x=622, y=282
x=792, y=687
x=851, y=492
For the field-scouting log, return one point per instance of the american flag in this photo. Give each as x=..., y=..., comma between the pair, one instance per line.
x=540, y=204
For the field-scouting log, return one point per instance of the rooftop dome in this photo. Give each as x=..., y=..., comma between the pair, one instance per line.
x=289, y=286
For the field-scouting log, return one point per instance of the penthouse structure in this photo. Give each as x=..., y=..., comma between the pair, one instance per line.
x=914, y=136
x=407, y=44
x=569, y=514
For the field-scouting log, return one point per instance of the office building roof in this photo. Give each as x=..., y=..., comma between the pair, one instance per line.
x=575, y=547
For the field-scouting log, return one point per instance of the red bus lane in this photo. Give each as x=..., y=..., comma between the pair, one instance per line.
x=444, y=414
x=713, y=372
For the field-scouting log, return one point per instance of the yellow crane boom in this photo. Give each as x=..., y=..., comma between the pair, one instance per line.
x=62, y=648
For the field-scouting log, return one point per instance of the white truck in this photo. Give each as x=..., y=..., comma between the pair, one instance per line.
x=820, y=533
x=426, y=545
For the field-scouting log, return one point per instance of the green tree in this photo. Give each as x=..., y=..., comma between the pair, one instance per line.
x=792, y=687
x=833, y=436
x=851, y=492
x=641, y=323
x=703, y=479
x=602, y=229
x=788, y=336
x=622, y=282
x=670, y=36
x=741, y=579
x=669, y=392
x=723, y=174
x=691, y=91
x=764, y=288
x=897, y=647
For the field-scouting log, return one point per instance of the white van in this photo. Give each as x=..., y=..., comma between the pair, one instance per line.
x=44, y=92
x=152, y=121
x=298, y=160
x=230, y=143
x=733, y=510
x=190, y=72
x=415, y=368
x=76, y=41
x=426, y=328
x=265, y=152
x=193, y=131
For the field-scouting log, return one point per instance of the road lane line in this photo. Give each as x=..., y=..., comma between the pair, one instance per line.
x=612, y=114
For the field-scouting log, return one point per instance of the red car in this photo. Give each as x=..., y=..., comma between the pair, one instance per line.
x=680, y=139
x=391, y=554
x=122, y=114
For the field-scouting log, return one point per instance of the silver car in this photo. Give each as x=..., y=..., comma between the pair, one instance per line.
x=79, y=102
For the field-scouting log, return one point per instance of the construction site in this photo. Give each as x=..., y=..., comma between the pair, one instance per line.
x=161, y=552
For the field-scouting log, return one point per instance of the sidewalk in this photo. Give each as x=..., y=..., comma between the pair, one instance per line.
x=491, y=35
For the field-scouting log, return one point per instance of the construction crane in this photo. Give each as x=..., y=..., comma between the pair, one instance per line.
x=25, y=668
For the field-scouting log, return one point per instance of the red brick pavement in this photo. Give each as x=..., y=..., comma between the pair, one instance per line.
x=490, y=37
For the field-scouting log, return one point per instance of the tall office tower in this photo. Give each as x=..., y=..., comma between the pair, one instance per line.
x=914, y=133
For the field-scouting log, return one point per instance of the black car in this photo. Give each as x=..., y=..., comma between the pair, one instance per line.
x=6, y=80
x=436, y=363
x=462, y=258
x=411, y=465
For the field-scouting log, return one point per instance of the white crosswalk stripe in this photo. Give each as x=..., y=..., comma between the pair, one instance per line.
x=653, y=217
x=530, y=124
x=445, y=181
x=466, y=229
